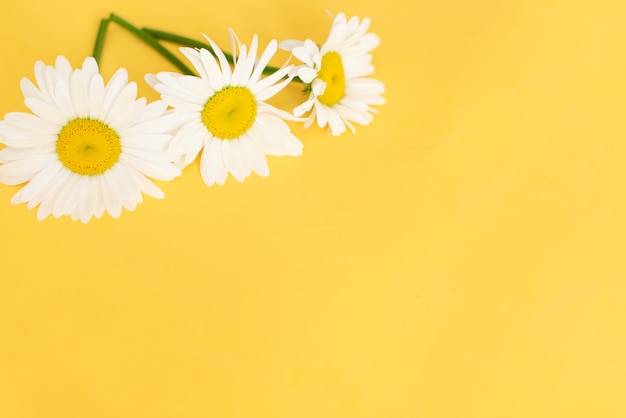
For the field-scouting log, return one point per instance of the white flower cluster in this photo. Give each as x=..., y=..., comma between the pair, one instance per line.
x=90, y=147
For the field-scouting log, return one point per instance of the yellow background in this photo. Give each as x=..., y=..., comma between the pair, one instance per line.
x=462, y=256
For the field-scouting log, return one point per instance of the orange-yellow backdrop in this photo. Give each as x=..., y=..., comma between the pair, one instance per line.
x=462, y=256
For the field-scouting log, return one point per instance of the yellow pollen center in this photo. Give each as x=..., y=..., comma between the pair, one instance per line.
x=88, y=147
x=230, y=112
x=332, y=73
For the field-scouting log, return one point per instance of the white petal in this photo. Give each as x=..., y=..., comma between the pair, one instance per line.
x=25, y=167
x=30, y=90
x=122, y=104
x=112, y=90
x=117, y=177
x=196, y=86
x=181, y=105
x=8, y=154
x=147, y=187
x=96, y=96
x=65, y=200
x=63, y=100
x=153, y=110
x=159, y=156
x=147, y=141
x=172, y=85
x=216, y=78
x=45, y=209
x=235, y=161
x=309, y=121
x=271, y=91
x=322, y=114
x=318, y=87
x=188, y=141
x=269, y=81
x=88, y=191
x=267, y=55
x=225, y=66
x=40, y=78
x=63, y=69
x=111, y=199
x=32, y=124
x=304, y=107
x=290, y=44
x=46, y=111
x=305, y=53
x=163, y=170
x=243, y=68
x=235, y=44
x=37, y=191
x=28, y=141
x=306, y=74
x=349, y=114
x=193, y=55
x=313, y=51
x=38, y=184
x=212, y=166
x=79, y=89
x=335, y=124
x=365, y=86
x=158, y=125
x=122, y=120
x=255, y=157
x=90, y=67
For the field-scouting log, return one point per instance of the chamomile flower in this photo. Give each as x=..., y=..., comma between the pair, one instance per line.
x=336, y=75
x=87, y=147
x=224, y=113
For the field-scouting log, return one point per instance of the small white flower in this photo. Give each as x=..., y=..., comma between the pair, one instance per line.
x=336, y=75
x=87, y=147
x=223, y=112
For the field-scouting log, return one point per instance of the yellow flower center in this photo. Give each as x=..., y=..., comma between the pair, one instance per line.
x=88, y=147
x=332, y=73
x=230, y=112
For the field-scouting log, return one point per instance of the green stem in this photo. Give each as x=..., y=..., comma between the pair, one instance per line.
x=151, y=41
x=182, y=40
x=102, y=32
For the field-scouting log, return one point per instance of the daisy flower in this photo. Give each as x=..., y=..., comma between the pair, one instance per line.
x=87, y=147
x=223, y=112
x=336, y=75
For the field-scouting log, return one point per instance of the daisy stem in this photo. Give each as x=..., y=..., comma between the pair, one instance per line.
x=152, y=42
x=102, y=32
x=182, y=40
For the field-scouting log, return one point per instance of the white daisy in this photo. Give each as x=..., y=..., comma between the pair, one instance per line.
x=223, y=112
x=88, y=147
x=335, y=73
